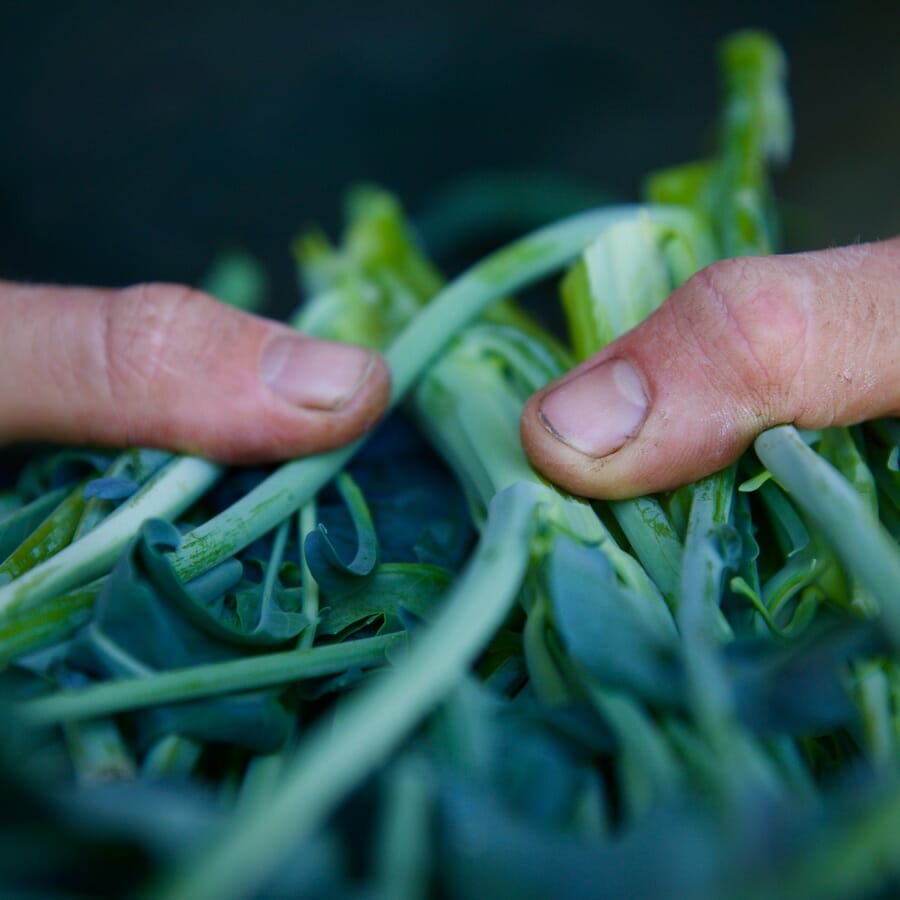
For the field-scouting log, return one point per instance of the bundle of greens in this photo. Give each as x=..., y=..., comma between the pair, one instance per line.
x=412, y=667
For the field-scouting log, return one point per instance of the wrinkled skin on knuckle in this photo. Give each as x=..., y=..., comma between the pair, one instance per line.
x=153, y=345
x=747, y=324
x=139, y=323
x=854, y=334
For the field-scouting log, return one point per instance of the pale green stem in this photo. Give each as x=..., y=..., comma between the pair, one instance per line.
x=98, y=752
x=30, y=626
x=173, y=756
x=403, y=851
x=698, y=614
x=165, y=496
x=868, y=552
x=459, y=303
x=210, y=680
x=654, y=541
x=306, y=522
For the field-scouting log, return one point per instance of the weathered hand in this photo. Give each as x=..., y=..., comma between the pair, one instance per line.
x=165, y=366
x=811, y=339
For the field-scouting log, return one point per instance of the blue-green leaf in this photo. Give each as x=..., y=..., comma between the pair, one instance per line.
x=609, y=630
x=110, y=488
x=324, y=560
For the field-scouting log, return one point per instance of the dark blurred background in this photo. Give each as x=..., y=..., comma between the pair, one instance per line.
x=137, y=140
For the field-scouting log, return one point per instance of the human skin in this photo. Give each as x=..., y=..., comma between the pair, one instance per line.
x=811, y=339
x=166, y=366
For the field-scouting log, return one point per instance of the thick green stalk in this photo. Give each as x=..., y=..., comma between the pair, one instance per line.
x=210, y=680
x=20, y=521
x=54, y=533
x=306, y=522
x=469, y=404
x=30, y=626
x=173, y=756
x=403, y=855
x=98, y=752
x=698, y=614
x=166, y=496
x=337, y=755
x=654, y=542
x=844, y=517
x=138, y=465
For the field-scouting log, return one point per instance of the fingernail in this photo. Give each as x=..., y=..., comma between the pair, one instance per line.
x=314, y=374
x=599, y=410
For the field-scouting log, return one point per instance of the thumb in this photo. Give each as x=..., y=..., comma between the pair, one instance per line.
x=165, y=366
x=811, y=339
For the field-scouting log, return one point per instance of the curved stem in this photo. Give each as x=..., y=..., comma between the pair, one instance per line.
x=166, y=496
x=187, y=478
x=845, y=519
x=459, y=303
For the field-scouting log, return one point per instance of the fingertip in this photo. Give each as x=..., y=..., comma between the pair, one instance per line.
x=567, y=465
x=354, y=416
x=331, y=397
x=646, y=414
x=312, y=374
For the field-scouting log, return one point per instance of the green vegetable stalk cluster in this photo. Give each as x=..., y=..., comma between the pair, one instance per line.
x=413, y=672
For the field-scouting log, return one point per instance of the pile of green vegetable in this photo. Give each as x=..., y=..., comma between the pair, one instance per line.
x=413, y=668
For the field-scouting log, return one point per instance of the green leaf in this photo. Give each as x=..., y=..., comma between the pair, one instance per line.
x=626, y=273
x=17, y=524
x=330, y=571
x=139, y=626
x=238, y=280
x=139, y=622
x=368, y=289
x=415, y=587
x=798, y=687
x=732, y=190
x=609, y=630
x=110, y=488
x=54, y=533
x=837, y=445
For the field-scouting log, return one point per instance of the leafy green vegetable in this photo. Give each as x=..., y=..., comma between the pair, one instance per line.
x=409, y=670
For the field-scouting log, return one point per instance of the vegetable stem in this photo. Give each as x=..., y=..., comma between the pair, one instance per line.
x=165, y=496
x=867, y=550
x=213, y=679
x=306, y=522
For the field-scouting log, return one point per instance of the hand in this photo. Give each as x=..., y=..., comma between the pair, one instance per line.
x=811, y=339
x=164, y=366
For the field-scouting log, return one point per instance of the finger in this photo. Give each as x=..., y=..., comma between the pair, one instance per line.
x=165, y=366
x=811, y=339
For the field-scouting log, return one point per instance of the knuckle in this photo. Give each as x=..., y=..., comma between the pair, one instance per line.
x=140, y=341
x=141, y=331
x=748, y=325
